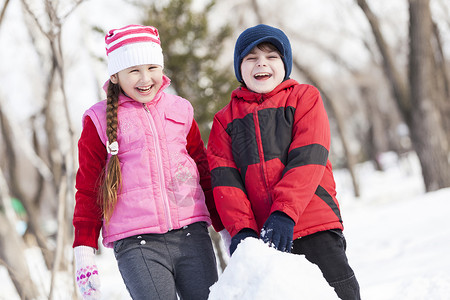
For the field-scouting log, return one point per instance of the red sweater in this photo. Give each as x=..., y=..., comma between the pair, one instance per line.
x=269, y=152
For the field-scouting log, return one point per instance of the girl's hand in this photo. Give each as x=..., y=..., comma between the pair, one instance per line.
x=88, y=280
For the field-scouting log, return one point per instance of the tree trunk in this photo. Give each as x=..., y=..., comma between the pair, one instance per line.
x=419, y=103
x=11, y=252
x=397, y=83
x=17, y=188
x=12, y=247
x=442, y=80
x=62, y=221
x=373, y=139
x=428, y=136
x=2, y=13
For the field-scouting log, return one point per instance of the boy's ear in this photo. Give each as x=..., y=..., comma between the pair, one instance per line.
x=114, y=79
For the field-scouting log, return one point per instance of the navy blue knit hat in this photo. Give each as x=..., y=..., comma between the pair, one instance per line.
x=254, y=36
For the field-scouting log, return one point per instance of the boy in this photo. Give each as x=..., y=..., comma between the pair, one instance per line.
x=268, y=154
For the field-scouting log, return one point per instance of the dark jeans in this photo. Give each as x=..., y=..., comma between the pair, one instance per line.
x=326, y=249
x=158, y=266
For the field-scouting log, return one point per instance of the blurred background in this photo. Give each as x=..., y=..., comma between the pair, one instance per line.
x=382, y=66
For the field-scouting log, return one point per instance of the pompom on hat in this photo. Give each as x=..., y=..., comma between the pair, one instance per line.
x=133, y=45
x=256, y=35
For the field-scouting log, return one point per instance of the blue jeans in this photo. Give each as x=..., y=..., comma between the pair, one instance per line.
x=158, y=266
x=326, y=249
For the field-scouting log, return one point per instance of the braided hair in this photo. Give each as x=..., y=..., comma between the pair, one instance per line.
x=112, y=176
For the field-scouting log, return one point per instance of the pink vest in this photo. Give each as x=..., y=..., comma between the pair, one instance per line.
x=160, y=181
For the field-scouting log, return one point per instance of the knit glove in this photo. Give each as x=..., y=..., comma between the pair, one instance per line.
x=278, y=231
x=87, y=274
x=226, y=239
x=240, y=236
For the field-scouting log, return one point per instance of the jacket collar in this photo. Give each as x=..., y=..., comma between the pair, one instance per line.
x=243, y=93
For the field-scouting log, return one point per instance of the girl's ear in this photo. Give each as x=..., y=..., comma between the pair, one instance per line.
x=114, y=79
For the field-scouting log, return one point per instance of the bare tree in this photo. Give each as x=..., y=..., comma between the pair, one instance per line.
x=3, y=11
x=12, y=245
x=443, y=79
x=52, y=159
x=427, y=95
x=60, y=146
x=418, y=103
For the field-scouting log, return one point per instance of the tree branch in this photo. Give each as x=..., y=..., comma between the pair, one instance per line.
x=2, y=13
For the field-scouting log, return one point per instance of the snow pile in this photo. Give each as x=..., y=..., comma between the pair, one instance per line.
x=256, y=271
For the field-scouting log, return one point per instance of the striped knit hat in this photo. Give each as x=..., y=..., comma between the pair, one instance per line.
x=256, y=35
x=133, y=45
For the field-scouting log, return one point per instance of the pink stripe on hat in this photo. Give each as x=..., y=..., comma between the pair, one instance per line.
x=133, y=45
x=131, y=34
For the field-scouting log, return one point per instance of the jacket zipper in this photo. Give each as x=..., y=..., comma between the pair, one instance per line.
x=160, y=169
x=260, y=151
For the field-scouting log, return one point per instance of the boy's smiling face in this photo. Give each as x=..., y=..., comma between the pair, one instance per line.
x=262, y=70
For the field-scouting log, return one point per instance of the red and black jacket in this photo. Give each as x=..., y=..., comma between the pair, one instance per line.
x=269, y=152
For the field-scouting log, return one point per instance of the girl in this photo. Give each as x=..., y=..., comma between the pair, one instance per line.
x=143, y=179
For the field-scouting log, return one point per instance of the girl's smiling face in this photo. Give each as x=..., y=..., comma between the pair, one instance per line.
x=262, y=69
x=141, y=83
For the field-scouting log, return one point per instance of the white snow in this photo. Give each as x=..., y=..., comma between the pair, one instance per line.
x=257, y=271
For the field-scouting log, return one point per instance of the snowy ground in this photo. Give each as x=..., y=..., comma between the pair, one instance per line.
x=398, y=243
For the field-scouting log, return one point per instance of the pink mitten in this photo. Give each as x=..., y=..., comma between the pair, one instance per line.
x=87, y=274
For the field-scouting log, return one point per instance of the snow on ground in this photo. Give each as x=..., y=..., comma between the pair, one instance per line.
x=398, y=240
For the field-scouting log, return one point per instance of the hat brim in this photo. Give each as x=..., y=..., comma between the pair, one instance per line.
x=270, y=39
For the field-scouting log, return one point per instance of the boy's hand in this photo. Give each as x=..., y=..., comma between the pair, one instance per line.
x=88, y=280
x=240, y=236
x=278, y=231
